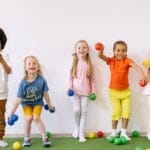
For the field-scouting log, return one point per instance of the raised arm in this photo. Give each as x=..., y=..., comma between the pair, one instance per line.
x=102, y=56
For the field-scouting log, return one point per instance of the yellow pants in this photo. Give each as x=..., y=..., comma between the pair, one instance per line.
x=120, y=103
x=32, y=110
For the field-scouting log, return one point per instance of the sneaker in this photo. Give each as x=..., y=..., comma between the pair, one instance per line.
x=26, y=143
x=125, y=135
x=110, y=136
x=3, y=144
x=75, y=134
x=46, y=142
x=82, y=138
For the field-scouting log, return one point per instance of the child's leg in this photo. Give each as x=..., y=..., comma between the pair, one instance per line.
x=84, y=105
x=125, y=116
x=76, y=103
x=2, y=122
x=28, y=120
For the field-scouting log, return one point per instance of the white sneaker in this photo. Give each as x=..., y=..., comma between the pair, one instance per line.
x=125, y=135
x=3, y=144
x=111, y=135
x=75, y=134
x=148, y=136
x=82, y=138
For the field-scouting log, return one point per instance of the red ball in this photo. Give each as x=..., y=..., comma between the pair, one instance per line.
x=100, y=134
x=99, y=46
x=142, y=83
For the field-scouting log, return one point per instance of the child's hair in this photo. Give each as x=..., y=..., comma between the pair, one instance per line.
x=89, y=70
x=3, y=38
x=39, y=67
x=120, y=42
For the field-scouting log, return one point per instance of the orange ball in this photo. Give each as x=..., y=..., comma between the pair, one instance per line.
x=99, y=46
x=142, y=83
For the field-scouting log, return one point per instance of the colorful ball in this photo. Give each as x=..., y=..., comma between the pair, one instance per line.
x=52, y=110
x=111, y=139
x=123, y=140
x=92, y=96
x=100, y=134
x=117, y=141
x=10, y=121
x=91, y=135
x=70, y=92
x=142, y=83
x=99, y=46
x=146, y=62
x=48, y=134
x=16, y=146
x=46, y=107
x=14, y=117
x=135, y=133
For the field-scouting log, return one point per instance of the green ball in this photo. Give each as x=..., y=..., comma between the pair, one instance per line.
x=92, y=96
x=123, y=140
x=138, y=148
x=135, y=133
x=117, y=141
x=48, y=134
x=111, y=139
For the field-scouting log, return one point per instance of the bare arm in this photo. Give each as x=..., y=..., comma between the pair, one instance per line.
x=14, y=107
x=5, y=65
x=47, y=99
x=139, y=69
x=102, y=56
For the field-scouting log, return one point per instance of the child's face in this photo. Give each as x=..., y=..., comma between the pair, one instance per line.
x=31, y=65
x=82, y=50
x=120, y=51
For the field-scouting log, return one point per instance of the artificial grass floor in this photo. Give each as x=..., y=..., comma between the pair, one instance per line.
x=136, y=143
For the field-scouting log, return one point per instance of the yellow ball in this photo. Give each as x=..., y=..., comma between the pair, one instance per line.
x=16, y=146
x=146, y=62
x=91, y=135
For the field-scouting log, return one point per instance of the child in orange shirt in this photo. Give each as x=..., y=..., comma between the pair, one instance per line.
x=119, y=86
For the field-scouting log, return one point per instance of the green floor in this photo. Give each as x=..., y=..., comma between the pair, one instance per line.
x=136, y=143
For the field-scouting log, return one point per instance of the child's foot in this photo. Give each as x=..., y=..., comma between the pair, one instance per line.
x=26, y=143
x=148, y=136
x=3, y=144
x=75, y=134
x=82, y=138
x=46, y=142
x=125, y=135
x=111, y=135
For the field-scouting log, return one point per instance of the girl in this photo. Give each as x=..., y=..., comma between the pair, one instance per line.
x=5, y=70
x=30, y=94
x=119, y=86
x=146, y=92
x=82, y=82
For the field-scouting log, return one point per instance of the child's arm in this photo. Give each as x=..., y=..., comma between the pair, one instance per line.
x=47, y=99
x=14, y=107
x=5, y=65
x=139, y=69
x=102, y=56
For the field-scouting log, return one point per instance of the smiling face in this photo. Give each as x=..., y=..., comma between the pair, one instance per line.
x=31, y=65
x=120, y=51
x=82, y=49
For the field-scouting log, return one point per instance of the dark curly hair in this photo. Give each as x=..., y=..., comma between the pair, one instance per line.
x=3, y=38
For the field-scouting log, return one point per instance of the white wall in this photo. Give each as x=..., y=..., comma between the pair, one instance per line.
x=49, y=30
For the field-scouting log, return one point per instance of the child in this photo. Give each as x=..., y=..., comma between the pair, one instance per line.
x=30, y=94
x=146, y=92
x=5, y=69
x=119, y=86
x=82, y=82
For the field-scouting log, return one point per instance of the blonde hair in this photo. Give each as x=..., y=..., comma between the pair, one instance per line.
x=73, y=69
x=39, y=67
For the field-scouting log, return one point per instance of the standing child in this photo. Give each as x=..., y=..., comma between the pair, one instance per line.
x=4, y=71
x=146, y=92
x=30, y=94
x=82, y=82
x=119, y=86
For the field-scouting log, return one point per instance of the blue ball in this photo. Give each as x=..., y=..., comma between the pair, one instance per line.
x=10, y=121
x=46, y=107
x=14, y=117
x=70, y=92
